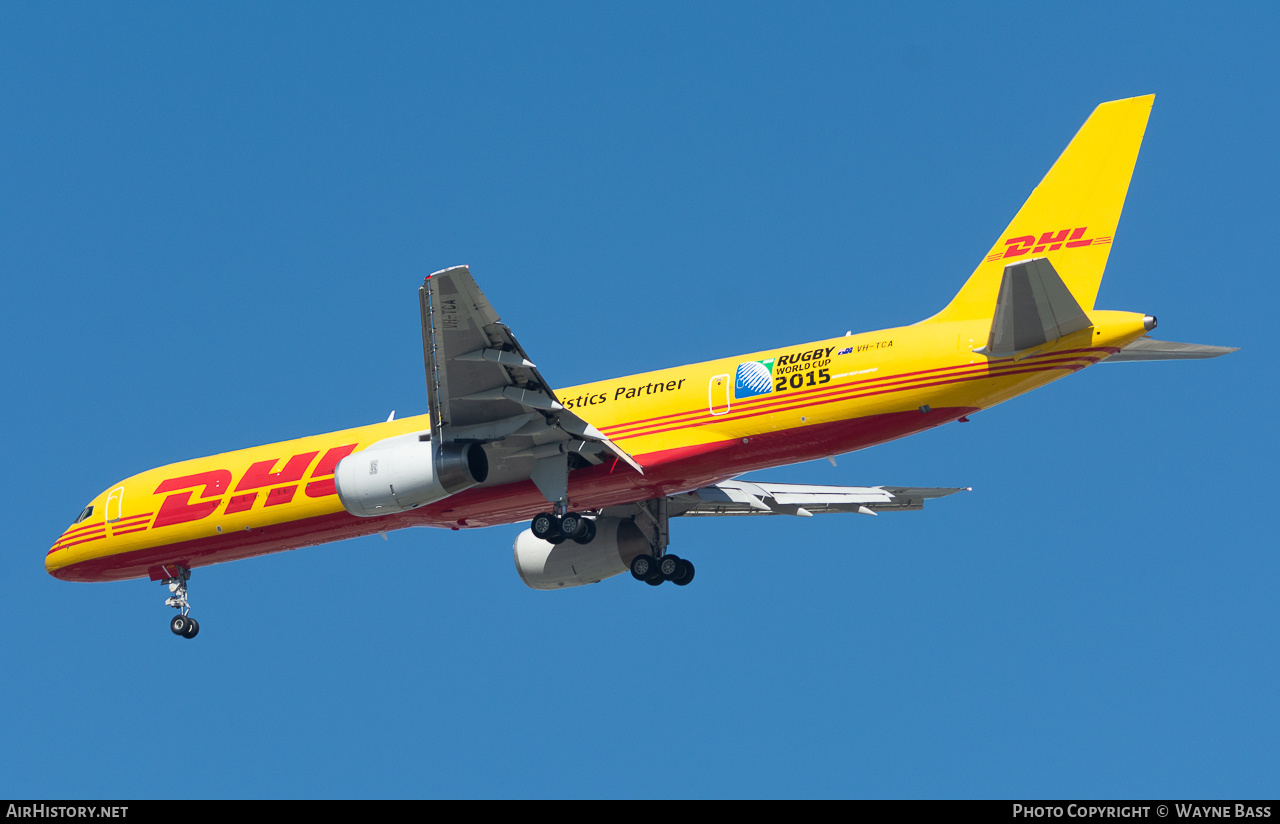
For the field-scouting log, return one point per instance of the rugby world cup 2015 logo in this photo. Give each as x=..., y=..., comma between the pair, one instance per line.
x=754, y=378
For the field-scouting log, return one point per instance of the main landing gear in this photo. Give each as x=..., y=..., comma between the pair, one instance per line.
x=653, y=571
x=651, y=517
x=557, y=529
x=654, y=520
x=182, y=624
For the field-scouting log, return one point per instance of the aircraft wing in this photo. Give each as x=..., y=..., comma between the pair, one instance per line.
x=482, y=386
x=804, y=500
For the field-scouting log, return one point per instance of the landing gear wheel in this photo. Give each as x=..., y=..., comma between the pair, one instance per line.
x=642, y=567
x=545, y=525
x=182, y=624
x=682, y=580
x=670, y=566
x=655, y=582
x=588, y=532
x=571, y=524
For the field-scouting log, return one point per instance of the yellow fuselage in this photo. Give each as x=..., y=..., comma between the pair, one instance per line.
x=687, y=426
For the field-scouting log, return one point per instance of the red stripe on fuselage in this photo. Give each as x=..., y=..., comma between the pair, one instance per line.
x=69, y=539
x=848, y=392
x=995, y=368
x=76, y=530
x=666, y=472
x=57, y=547
x=127, y=521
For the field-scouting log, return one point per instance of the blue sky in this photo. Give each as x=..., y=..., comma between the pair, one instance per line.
x=214, y=222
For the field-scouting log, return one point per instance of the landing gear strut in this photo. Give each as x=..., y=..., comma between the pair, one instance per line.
x=182, y=624
x=661, y=565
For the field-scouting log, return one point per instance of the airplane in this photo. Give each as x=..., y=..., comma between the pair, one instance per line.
x=599, y=470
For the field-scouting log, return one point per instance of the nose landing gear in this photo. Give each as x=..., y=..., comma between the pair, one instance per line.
x=182, y=624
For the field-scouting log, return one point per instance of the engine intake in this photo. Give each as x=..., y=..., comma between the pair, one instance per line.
x=406, y=472
x=543, y=565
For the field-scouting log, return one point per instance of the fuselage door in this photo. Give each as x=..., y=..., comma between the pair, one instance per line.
x=115, y=504
x=718, y=394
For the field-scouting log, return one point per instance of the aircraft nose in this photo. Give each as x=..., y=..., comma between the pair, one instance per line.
x=53, y=559
x=83, y=529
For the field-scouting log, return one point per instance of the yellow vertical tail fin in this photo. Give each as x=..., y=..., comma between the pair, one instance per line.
x=1071, y=216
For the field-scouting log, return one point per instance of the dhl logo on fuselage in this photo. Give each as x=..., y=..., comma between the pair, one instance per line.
x=210, y=490
x=1048, y=241
x=177, y=507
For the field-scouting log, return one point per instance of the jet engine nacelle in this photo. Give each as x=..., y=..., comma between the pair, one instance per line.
x=402, y=473
x=544, y=565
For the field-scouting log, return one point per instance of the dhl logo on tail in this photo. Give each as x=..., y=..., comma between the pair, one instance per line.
x=1048, y=241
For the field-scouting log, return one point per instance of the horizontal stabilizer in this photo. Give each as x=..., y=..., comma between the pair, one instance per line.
x=1146, y=349
x=1034, y=307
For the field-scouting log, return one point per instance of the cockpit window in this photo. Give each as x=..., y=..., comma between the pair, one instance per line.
x=88, y=510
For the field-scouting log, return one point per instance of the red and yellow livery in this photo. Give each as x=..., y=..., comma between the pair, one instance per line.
x=632, y=441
